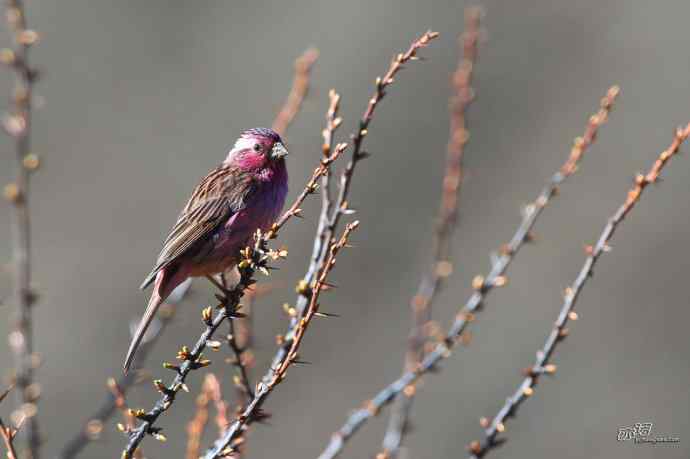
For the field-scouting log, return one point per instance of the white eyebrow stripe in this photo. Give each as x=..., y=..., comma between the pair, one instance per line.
x=243, y=143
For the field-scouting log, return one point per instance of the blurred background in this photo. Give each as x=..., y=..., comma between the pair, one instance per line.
x=143, y=98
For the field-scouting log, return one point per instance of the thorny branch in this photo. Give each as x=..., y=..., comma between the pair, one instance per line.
x=241, y=361
x=300, y=87
x=254, y=259
x=559, y=332
x=328, y=222
x=18, y=124
x=481, y=285
x=227, y=444
x=446, y=221
x=239, y=341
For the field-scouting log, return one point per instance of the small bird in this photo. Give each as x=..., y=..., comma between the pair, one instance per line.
x=244, y=193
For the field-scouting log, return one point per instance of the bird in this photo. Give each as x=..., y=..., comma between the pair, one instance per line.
x=244, y=193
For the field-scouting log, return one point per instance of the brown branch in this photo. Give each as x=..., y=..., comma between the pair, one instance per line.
x=7, y=432
x=441, y=266
x=327, y=226
x=481, y=285
x=333, y=121
x=559, y=332
x=18, y=124
x=300, y=88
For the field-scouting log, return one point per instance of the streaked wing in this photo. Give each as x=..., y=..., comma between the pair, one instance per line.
x=219, y=195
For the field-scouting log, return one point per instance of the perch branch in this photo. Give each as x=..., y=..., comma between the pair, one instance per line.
x=18, y=125
x=300, y=88
x=254, y=259
x=326, y=228
x=481, y=285
x=446, y=220
x=542, y=363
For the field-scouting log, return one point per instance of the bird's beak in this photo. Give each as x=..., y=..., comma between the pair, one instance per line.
x=278, y=151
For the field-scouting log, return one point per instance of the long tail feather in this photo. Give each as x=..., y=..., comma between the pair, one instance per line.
x=154, y=303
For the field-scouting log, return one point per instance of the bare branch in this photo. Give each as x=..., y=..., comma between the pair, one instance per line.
x=482, y=285
x=253, y=259
x=559, y=332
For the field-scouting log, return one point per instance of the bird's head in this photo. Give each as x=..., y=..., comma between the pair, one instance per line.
x=258, y=149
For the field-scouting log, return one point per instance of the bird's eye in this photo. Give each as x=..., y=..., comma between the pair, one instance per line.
x=257, y=147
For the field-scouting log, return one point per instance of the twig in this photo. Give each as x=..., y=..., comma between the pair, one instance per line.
x=328, y=222
x=240, y=341
x=242, y=362
x=300, y=87
x=559, y=332
x=441, y=266
x=333, y=121
x=8, y=435
x=481, y=285
x=109, y=406
x=7, y=432
x=254, y=259
x=227, y=444
x=18, y=125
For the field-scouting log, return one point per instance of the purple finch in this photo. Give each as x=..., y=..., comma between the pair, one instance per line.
x=245, y=193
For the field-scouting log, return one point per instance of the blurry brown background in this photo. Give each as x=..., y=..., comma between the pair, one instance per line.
x=142, y=98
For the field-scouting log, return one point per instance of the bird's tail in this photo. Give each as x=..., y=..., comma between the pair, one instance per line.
x=154, y=303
